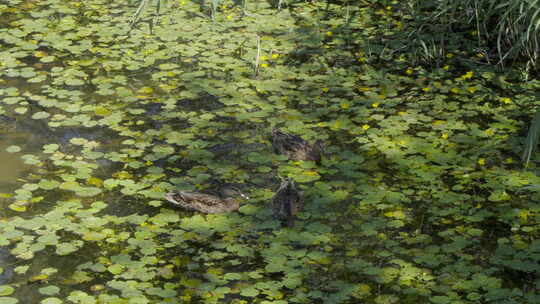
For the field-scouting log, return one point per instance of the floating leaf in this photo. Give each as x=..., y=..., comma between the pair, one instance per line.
x=8, y=300
x=102, y=111
x=17, y=207
x=21, y=110
x=50, y=148
x=49, y=290
x=21, y=269
x=6, y=290
x=67, y=248
x=39, y=278
x=51, y=301
x=249, y=291
x=307, y=176
x=31, y=159
x=13, y=149
x=40, y=115
x=71, y=185
x=88, y=191
x=116, y=269
x=47, y=184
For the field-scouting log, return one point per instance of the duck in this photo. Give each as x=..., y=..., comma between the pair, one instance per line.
x=287, y=202
x=207, y=203
x=295, y=147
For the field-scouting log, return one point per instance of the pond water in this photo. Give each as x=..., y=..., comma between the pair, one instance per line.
x=12, y=173
x=31, y=136
x=13, y=167
x=98, y=124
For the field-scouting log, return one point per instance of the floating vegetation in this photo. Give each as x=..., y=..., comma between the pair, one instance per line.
x=418, y=197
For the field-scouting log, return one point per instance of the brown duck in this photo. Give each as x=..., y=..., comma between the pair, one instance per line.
x=287, y=203
x=207, y=203
x=295, y=147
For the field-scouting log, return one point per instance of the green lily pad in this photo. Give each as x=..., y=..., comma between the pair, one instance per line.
x=51, y=301
x=40, y=115
x=13, y=149
x=47, y=184
x=6, y=290
x=8, y=300
x=49, y=290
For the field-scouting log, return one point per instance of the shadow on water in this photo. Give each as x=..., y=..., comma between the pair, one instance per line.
x=6, y=262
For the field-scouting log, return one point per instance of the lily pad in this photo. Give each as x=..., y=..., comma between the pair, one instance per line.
x=13, y=149
x=8, y=300
x=6, y=290
x=51, y=301
x=40, y=115
x=49, y=290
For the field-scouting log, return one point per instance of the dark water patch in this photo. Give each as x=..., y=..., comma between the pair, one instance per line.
x=13, y=167
x=7, y=262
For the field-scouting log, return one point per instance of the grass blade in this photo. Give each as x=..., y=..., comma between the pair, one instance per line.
x=532, y=139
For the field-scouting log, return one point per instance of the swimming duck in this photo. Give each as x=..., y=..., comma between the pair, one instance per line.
x=207, y=203
x=287, y=202
x=295, y=147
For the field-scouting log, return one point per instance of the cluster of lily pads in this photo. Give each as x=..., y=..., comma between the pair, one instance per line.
x=419, y=198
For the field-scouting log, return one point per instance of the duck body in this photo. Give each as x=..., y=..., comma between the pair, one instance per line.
x=287, y=203
x=295, y=147
x=206, y=203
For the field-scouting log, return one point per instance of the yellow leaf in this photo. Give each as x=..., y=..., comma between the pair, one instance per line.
x=102, y=111
x=39, y=277
x=40, y=54
x=17, y=207
x=364, y=289
x=95, y=181
x=145, y=90
x=123, y=175
x=506, y=100
x=37, y=199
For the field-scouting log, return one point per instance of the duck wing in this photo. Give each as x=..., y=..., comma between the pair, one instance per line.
x=201, y=202
x=295, y=147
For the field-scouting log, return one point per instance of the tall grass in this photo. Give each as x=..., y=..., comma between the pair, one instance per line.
x=531, y=143
x=511, y=28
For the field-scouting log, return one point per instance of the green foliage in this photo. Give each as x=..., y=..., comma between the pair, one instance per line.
x=418, y=199
x=500, y=32
x=531, y=142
